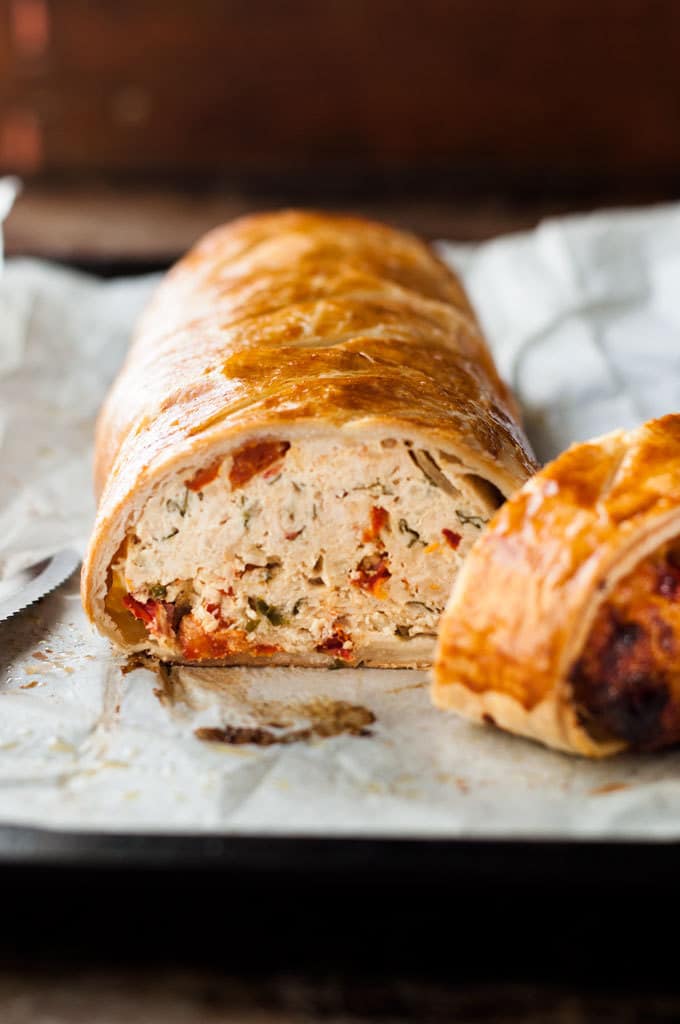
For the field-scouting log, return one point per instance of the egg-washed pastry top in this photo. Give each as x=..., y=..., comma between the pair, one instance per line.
x=565, y=622
x=306, y=437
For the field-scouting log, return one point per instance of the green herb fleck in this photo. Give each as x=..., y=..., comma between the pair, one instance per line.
x=337, y=663
x=377, y=487
x=251, y=625
x=298, y=605
x=173, y=533
x=477, y=521
x=174, y=506
x=414, y=535
x=270, y=611
x=158, y=592
x=249, y=511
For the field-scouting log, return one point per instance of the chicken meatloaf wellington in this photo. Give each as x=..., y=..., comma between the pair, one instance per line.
x=565, y=622
x=305, y=440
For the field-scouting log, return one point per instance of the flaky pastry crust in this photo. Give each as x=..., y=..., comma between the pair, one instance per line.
x=523, y=606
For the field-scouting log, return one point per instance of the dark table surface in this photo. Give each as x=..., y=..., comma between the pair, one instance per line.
x=286, y=931
x=106, y=226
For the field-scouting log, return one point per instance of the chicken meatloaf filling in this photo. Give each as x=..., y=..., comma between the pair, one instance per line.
x=327, y=553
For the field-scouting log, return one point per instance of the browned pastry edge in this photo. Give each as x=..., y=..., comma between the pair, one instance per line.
x=523, y=606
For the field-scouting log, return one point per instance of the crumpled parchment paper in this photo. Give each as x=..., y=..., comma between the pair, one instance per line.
x=583, y=315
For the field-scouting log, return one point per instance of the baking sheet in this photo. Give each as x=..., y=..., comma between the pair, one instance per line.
x=584, y=318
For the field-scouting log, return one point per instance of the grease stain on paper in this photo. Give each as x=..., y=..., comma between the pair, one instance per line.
x=326, y=718
x=609, y=787
x=247, y=719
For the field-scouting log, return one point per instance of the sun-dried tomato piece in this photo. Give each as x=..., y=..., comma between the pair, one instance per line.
x=452, y=539
x=253, y=458
x=146, y=612
x=204, y=476
x=157, y=616
x=371, y=575
x=335, y=644
x=380, y=520
x=199, y=645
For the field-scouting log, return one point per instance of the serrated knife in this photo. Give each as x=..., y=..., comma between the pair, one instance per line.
x=31, y=584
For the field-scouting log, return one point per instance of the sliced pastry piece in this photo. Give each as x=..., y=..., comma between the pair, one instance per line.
x=564, y=624
x=306, y=438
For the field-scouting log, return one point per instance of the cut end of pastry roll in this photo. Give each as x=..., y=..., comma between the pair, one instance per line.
x=564, y=625
x=307, y=549
x=305, y=440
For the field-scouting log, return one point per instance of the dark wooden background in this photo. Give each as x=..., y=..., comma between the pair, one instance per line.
x=138, y=123
x=476, y=89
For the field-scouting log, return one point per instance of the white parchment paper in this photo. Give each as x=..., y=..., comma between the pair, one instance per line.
x=584, y=318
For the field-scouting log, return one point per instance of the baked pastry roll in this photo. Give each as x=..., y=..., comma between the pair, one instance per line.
x=307, y=436
x=564, y=624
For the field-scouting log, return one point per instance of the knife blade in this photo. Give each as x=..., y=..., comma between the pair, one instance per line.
x=31, y=584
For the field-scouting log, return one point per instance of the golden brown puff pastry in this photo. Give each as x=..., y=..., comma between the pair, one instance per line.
x=305, y=439
x=564, y=624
